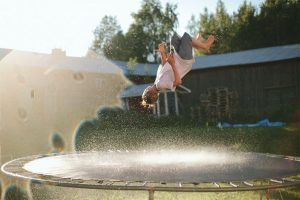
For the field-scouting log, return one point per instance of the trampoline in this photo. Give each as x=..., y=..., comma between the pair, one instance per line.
x=173, y=171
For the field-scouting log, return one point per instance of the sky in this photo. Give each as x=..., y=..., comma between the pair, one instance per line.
x=42, y=25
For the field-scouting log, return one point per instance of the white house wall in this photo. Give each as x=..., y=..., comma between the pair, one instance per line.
x=35, y=104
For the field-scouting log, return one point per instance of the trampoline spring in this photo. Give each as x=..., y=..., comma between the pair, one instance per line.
x=145, y=183
x=233, y=185
x=127, y=183
x=217, y=185
x=36, y=182
x=289, y=158
x=276, y=181
x=110, y=183
x=41, y=156
x=66, y=179
x=289, y=179
x=248, y=184
x=78, y=180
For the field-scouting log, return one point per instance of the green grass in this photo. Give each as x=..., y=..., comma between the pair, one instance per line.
x=275, y=140
x=59, y=193
x=119, y=131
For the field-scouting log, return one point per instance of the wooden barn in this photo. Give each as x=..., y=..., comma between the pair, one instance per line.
x=248, y=84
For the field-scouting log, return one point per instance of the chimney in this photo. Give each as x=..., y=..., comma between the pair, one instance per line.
x=58, y=53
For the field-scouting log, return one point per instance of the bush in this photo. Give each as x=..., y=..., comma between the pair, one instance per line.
x=14, y=192
x=113, y=127
x=57, y=142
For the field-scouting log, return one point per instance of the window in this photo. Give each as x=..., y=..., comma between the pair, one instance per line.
x=78, y=76
x=99, y=83
x=32, y=94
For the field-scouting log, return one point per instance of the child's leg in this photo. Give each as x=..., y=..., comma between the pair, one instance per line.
x=161, y=50
x=198, y=44
x=185, y=47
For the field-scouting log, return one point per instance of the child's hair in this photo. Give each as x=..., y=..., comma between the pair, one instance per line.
x=148, y=98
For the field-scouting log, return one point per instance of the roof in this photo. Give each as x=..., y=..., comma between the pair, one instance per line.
x=140, y=69
x=262, y=55
x=50, y=62
x=4, y=52
x=134, y=90
x=137, y=90
x=98, y=65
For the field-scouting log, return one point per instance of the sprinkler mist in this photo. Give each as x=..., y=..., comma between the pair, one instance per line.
x=168, y=170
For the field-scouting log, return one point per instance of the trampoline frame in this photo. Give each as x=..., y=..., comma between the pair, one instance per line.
x=15, y=169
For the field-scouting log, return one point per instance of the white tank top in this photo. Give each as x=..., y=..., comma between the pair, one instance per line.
x=165, y=75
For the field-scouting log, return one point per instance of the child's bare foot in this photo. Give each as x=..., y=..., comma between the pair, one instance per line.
x=199, y=37
x=208, y=43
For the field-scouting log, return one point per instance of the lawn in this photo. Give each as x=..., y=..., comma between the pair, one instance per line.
x=135, y=133
x=58, y=193
x=275, y=140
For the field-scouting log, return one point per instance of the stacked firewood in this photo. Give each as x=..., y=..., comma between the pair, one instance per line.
x=216, y=104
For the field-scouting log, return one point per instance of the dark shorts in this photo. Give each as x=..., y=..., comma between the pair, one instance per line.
x=183, y=45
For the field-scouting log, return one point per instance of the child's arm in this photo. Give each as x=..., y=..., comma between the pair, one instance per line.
x=161, y=50
x=176, y=74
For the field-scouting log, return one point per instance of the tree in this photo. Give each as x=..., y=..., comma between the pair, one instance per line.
x=193, y=26
x=137, y=43
x=206, y=26
x=116, y=48
x=222, y=24
x=151, y=26
x=218, y=24
x=278, y=22
x=244, y=27
x=104, y=33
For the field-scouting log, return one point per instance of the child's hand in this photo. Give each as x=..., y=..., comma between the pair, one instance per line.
x=161, y=47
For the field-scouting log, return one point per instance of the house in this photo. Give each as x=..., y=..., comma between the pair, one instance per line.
x=43, y=94
x=254, y=83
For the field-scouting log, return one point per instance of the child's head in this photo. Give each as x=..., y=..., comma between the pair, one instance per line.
x=150, y=95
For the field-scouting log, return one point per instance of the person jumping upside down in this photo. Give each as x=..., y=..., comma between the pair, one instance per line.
x=175, y=65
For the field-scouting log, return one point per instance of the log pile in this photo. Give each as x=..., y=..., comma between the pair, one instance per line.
x=215, y=105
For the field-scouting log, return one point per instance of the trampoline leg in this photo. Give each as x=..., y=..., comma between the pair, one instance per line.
x=151, y=194
x=268, y=194
x=260, y=195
